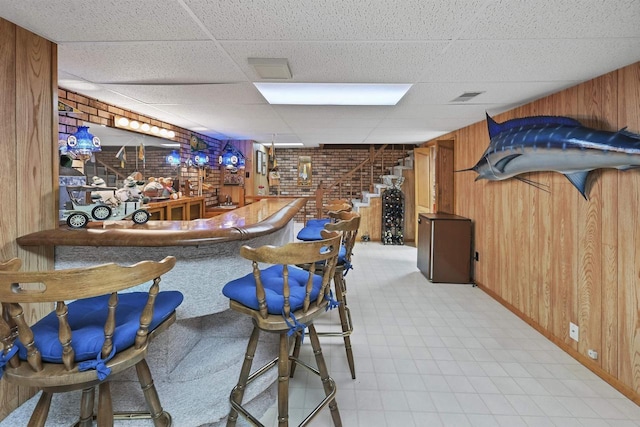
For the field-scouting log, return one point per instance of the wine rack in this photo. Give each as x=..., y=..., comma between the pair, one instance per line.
x=392, y=217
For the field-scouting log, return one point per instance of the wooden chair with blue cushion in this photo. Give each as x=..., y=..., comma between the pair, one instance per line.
x=285, y=299
x=312, y=228
x=348, y=224
x=82, y=344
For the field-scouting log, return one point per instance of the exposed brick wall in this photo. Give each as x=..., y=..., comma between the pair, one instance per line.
x=328, y=165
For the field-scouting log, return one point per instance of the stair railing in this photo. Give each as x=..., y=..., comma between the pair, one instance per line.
x=109, y=171
x=346, y=180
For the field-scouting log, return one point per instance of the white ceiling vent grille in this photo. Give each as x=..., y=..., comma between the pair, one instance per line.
x=466, y=96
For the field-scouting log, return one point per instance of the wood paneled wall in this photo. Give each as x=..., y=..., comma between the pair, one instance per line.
x=553, y=257
x=28, y=149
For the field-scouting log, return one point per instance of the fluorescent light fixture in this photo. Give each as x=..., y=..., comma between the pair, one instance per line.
x=284, y=144
x=333, y=93
x=174, y=144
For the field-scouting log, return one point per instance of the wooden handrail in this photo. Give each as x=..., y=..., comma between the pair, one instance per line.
x=321, y=191
x=118, y=175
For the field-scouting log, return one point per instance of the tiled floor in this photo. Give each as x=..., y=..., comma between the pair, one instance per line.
x=446, y=355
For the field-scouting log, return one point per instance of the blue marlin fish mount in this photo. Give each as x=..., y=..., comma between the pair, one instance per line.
x=554, y=144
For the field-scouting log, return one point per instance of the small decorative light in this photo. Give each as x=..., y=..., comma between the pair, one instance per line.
x=163, y=132
x=171, y=134
x=174, y=158
x=145, y=127
x=201, y=159
x=134, y=125
x=154, y=129
x=231, y=158
x=123, y=121
x=82, y=143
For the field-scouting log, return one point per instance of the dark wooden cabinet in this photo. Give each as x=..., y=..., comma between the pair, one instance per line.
x=444, y=248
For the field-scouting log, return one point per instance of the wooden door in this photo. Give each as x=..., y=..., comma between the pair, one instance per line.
x=423, y=183
x=443, y=181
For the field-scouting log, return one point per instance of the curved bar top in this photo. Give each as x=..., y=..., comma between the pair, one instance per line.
x=250, y=221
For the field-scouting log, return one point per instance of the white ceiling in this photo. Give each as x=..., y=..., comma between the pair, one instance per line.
x=185, y=61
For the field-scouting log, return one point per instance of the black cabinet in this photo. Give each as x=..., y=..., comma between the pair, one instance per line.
x=392, y=217
x=444, y=247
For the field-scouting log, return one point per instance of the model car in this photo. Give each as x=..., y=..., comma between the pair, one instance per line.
x=90, y=203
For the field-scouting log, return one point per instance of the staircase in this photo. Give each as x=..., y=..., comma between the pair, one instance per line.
x=368, y=204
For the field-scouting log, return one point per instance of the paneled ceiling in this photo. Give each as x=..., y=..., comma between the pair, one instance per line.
x=186, y=61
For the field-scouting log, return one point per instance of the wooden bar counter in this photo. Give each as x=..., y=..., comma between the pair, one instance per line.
x=203, y=350
x=247, y=222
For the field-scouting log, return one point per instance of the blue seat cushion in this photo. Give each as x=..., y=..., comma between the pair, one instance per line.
x=243, y=290
x=342, y=255
x=317, y=222
x=310, y=233
x=86, y=318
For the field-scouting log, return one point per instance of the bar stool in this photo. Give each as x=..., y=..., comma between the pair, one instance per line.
x=285, y=299
x=348, y=224
x=311, y=230
x=333, y=206
x=79, y=345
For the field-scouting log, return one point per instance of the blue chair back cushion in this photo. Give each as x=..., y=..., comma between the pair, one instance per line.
x=317, y=222
x=243, y=290
x=87, y=317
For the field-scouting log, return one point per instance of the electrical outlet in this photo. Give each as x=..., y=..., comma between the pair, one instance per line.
x=592, y=354
x=574, y=331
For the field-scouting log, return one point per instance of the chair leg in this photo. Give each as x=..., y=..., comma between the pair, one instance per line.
x=324, y=374
x=295, y=354
x=105, y=405
x=160, y=417
x=41, y=411
x=283, y=381
x=345, y=321
x=86, y=407
x=238, y=392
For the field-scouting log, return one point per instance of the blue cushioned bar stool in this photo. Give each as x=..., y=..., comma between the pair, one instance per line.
x=285, y=299
x=348, y=224
x=82, y=344
x=312, y=228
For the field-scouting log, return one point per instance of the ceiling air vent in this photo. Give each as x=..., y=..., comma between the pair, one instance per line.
x=466, y=96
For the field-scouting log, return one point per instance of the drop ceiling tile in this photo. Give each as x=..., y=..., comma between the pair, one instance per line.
x=103, y=20
x=334, y=19
x=149, y=62
x=556, y=19
x=352, y=62
x=492, y=92
x=197, y=94
x=530, y=60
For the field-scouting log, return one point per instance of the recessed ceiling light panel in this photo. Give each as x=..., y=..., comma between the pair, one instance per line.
x=333, y=93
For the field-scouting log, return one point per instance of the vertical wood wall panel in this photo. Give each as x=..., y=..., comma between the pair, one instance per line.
x=576, y=260
x=629, y=235
x=8, y=215
x=29, y=152
x=609, y=227
x=589, y=318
